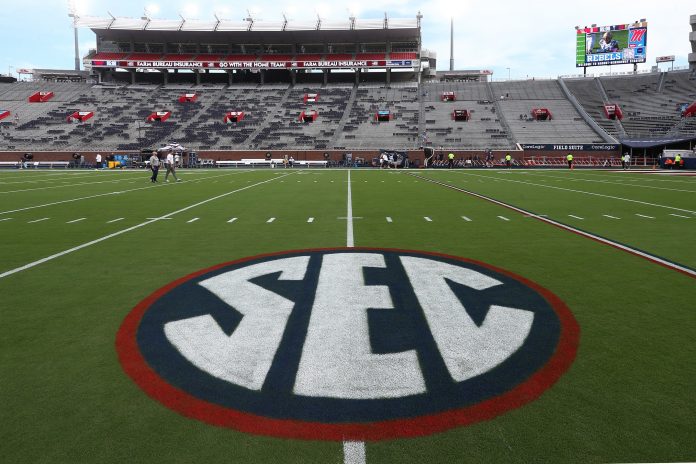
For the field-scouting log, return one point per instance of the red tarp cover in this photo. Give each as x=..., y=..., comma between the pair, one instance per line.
x=160, y=116
x=234, y=116
x=541, y=114
x=613, y=111
x=690, y=111
x=461, y=115
x=448, y=96
x=80, y=116
x=311, y=97
x=308, y=116
x=4, y=114
x=40, y=97
x=188, y=97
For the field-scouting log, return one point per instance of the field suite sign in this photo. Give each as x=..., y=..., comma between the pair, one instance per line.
x=363, y=343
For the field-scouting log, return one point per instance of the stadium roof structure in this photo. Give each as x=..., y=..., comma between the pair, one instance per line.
x=252, y=31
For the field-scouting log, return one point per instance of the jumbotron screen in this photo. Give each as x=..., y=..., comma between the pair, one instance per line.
x=607, y=45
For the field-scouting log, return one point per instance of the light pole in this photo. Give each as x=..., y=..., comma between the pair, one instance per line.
x=75, y=17
x=508, y=73
x=9, y=71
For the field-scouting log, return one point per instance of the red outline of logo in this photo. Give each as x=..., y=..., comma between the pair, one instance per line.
x=137, y=368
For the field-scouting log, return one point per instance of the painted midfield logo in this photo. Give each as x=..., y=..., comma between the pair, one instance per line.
x=348, y=343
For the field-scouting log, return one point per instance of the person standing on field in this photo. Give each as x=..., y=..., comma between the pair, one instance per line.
x=154, y=166
x=171, y=168
x=450, y=161
x=98, y=161
x=570, y=160
x=508, y=160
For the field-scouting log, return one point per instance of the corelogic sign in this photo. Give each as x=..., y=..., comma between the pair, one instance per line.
x=570, y=147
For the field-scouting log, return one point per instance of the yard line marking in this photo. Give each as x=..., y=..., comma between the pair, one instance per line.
x=679, y=215
x=105, y=194
x=583, y=192
x=114, y=220
x=75, y=220
x=597, y=238
x=232, y=220
x=427, y=219
x=158, y=218
x=643, y=215
x=615, y=182
x=576, y=217
x=5, y=219
x=310, y=219
x=123, y=231
x=466, y=219
x=62, y=186
x=610, y=216
x=270, y=220
x=354, y=452
x=350, y=241
x=37, y=220
x=389, y=219
x=192, y=220
x=503, y=218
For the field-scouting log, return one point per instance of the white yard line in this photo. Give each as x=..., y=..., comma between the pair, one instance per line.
x=5, y=219
x=620, y=246
x=576, y=217
x=75, y=220
x=503, y=218
x=38, y=220
x=582, y=179
x=679, y=215
x=232, y=220
x=644, y=216
x=68, y=185
x=114, y=220
x=102, y=195
x=192, y=220
x=585, y=193
x=610, y=216
x=270, y=220
x=123, y=231
x=350, y=242
x=354, y=452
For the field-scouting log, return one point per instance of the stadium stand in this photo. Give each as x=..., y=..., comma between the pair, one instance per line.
x=499, y=114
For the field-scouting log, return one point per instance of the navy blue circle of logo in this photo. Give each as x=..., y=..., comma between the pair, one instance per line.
x=336, y=343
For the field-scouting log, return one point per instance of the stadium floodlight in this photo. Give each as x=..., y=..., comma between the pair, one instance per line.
x=72, y=13
x=217, y=24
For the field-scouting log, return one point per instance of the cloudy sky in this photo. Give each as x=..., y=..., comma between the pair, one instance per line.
x=532, y=38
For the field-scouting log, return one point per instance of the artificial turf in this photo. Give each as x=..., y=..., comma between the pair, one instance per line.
x=65, y=398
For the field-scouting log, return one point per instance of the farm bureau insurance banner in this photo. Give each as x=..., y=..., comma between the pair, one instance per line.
x=254, y=64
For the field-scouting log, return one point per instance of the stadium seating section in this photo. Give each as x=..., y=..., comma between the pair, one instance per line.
x=499, y=112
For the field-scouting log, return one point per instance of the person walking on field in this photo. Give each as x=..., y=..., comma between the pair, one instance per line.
x=450, y=160
x=570, y=160
x=171, y=168
x=508, y=160
x=154, y=166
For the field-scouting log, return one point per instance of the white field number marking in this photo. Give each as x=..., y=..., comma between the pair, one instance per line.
x=337, y=359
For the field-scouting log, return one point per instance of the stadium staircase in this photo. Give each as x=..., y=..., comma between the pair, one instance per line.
x=344, y=118
x=661, y=82
x=605, y=99
x=584, y=95
x=501, y=115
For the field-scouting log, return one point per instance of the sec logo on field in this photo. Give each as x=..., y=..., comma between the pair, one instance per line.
x=349, y=343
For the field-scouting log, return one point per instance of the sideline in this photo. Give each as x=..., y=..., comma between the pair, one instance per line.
x=123, y=231
x=620, y=246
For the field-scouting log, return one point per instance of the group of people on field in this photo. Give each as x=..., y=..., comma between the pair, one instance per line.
x=169, y=164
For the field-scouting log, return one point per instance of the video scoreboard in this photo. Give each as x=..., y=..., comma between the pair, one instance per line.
x=607, y=45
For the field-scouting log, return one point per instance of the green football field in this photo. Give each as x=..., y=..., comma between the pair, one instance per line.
x=81, y=249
